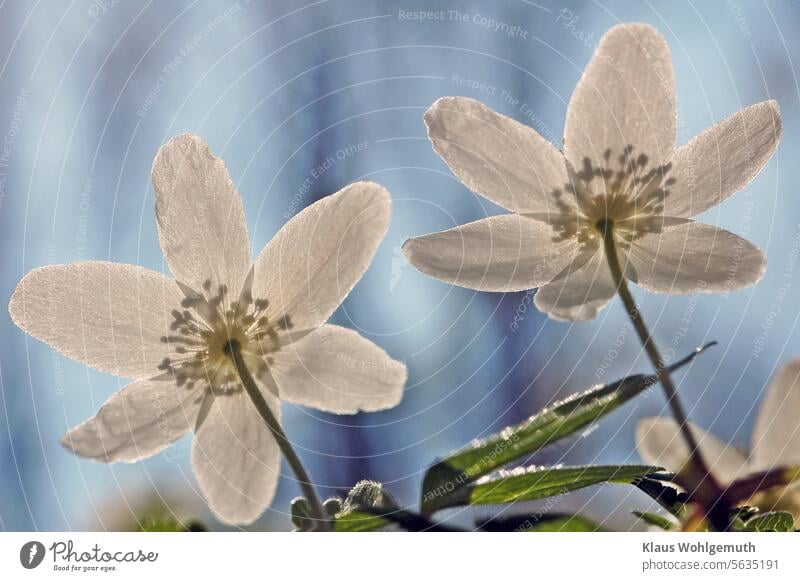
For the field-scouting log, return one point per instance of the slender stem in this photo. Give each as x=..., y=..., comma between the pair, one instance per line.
x=717, y=505
x=317, y=512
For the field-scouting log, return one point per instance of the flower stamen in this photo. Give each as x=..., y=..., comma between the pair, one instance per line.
x=207, y=331
x=621, y=189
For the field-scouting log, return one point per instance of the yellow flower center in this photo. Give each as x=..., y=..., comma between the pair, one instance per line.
x=204, y=333
x=624, y=190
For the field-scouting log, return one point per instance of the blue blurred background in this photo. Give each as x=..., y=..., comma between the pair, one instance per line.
x=90, y=90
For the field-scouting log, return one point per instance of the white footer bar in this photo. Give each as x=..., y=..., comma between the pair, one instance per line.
x=390, y=556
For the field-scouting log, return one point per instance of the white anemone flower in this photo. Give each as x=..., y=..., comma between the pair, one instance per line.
x=619, y=168
x=775, y=443
x=171, y=336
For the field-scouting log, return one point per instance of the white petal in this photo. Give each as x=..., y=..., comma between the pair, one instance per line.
x=578, y=293
x=625, y=97
x=776, y=434
x=501, y=159
x=107, y=315
x=695, y=257
x=659, y=442
x=236, y=458
x=723, y=159
x=315, y=260
x=499, y=253
x=337, y=370
x=136, y=422
x=201, y=221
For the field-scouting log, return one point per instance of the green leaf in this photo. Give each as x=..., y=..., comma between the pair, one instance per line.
x=655, y=520
x=535, y=483
x=354, y=522
x=516, y=442
x=367, y=494
x=169, y=525
x=670, y=498
x=549, y=523
x=741, y=514
x=363, y=500
x=781, y=522
x=565, y=524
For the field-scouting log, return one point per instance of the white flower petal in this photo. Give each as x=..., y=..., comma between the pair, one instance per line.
x=107, y=315
x=776, y=434
x=501, y=159
x=201, y=221
x=315, y=260
x=578, y=293
x=235, y=457
x=136, y=422
x=499, y=253
x=695, y=257
x=723, y=159
x=660, y=443
x=337, y=370
x=626, y=96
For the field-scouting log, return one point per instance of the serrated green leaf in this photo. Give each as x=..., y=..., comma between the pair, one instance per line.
x=367, y=494
x=365, y=498
x=655, y=520
x=741, y=514
x=517, y=442
x=535, y=483
x=354, y=522
x=781, y=522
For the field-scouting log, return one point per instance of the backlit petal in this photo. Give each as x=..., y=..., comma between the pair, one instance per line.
x=499, y=253
x=107, y=315
x=337, y=370
x=236, y=458
x=136, y=422
x=776, y=434
x=503, y=160
x=201, y=221
x=695, y=257
x=659, y=442
x=315, y=260
x=723, y=159
x=578, y=293
x=626, y=96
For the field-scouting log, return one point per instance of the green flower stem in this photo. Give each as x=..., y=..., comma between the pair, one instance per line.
x=315, y=506
x=710, y=493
